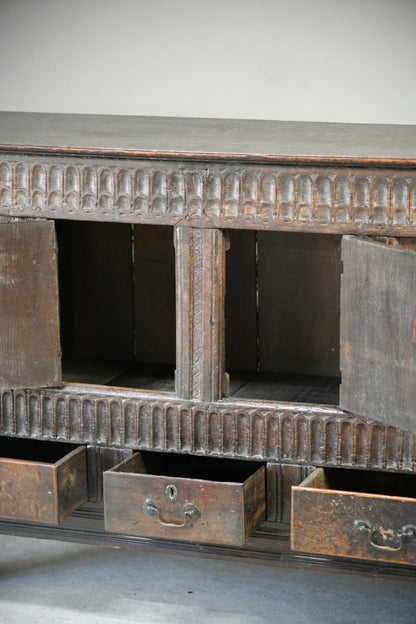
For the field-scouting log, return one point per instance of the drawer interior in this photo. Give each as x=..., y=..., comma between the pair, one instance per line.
x=362, y=481
x=34, y=450
x=188, y=466
x=117, y=304
x=283, y=316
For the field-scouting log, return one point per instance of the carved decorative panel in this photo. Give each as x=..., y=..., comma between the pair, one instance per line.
x=200, y=281
x=243, y=196
x=290, y=434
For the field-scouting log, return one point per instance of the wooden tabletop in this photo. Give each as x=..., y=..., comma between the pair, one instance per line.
x=208, y=139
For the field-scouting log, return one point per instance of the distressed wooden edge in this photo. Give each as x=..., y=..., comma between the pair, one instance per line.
x=206, y=157
x=72, y=488
x=268, y=544
x=248, y=196
x=283, y=433
x=200, y=328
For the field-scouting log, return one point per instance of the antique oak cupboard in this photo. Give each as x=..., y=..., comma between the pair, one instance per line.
x=208, y=336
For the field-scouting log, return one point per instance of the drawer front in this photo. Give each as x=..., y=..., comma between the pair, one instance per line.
x=183, y=509
x=352, y=524
x=35, y=491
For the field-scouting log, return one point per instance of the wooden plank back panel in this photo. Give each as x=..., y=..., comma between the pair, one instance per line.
x=29, y=309
x=154, y=271
x=240, y=302
x=378, y=332
x=96, y=288
x=299, y=284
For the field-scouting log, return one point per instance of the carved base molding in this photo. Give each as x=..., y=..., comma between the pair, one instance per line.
x=285, y=433
x=269, y=543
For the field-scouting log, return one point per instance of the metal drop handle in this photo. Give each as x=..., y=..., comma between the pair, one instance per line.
x=190, y=512
x=407, y=531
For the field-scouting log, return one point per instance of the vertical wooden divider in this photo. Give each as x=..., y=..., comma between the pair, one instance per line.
x=200, y=290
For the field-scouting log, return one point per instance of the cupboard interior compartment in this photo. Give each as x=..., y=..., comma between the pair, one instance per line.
x=41, y=481
x=183, y=497
x=282, y=314
x=117, y=304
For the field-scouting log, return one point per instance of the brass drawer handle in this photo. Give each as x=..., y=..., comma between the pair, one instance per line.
x=190, y=512
x=407, y=531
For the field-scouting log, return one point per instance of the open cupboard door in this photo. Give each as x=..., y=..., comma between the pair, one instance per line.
x=378, y=331
x=29, y=305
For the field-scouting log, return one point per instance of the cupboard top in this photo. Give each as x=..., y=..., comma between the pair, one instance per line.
x=209, y=139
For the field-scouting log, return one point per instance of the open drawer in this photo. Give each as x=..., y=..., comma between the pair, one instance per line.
x=186, y=498
x=41, y=481
x=360, y=514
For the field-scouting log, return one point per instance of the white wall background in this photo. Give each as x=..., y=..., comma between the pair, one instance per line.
x=323, y=60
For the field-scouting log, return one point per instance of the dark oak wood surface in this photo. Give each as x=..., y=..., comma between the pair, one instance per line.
x=203, y=176
x=29, y=339
x=378, y=332
x=208, y=139
x=327, y=506
x=228, y=497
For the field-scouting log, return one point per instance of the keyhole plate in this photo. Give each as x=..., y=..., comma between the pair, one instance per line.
x=171, y=493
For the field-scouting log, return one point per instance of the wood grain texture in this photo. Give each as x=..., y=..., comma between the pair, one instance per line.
x=240, y=302
x=280, y=478
x=154, y=288
x=378, y=350
x=246, y=196
x=96, y=290
x=268, y=544
x=299, y=291
x=264, y=431
x=323, y=519
x=208, y=139
x=37, y=489
x=229, y=511
x=71, y=482
x=29, y=307
x=288, y=387
x=28, y=491
x=99, y=459
x=200, y=289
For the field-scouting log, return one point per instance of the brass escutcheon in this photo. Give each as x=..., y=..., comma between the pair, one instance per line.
x=171, y=493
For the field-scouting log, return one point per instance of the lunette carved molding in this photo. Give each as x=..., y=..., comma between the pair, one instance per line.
x=209, y=195
x=290, y=433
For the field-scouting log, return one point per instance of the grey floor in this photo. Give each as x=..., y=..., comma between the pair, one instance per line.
x=45, y=582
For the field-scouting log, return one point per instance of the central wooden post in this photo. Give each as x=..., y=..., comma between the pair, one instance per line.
x=200, y=290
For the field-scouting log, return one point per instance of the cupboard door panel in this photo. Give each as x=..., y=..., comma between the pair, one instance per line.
x=378, y=332
x=29, y=311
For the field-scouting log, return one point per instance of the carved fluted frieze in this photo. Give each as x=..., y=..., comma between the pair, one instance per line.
x=286, y=433
x=210, y=195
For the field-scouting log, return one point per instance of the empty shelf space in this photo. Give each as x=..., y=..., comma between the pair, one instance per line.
x=158, y=377
x=282, y=311
x=286, y=388
x=117, y=304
